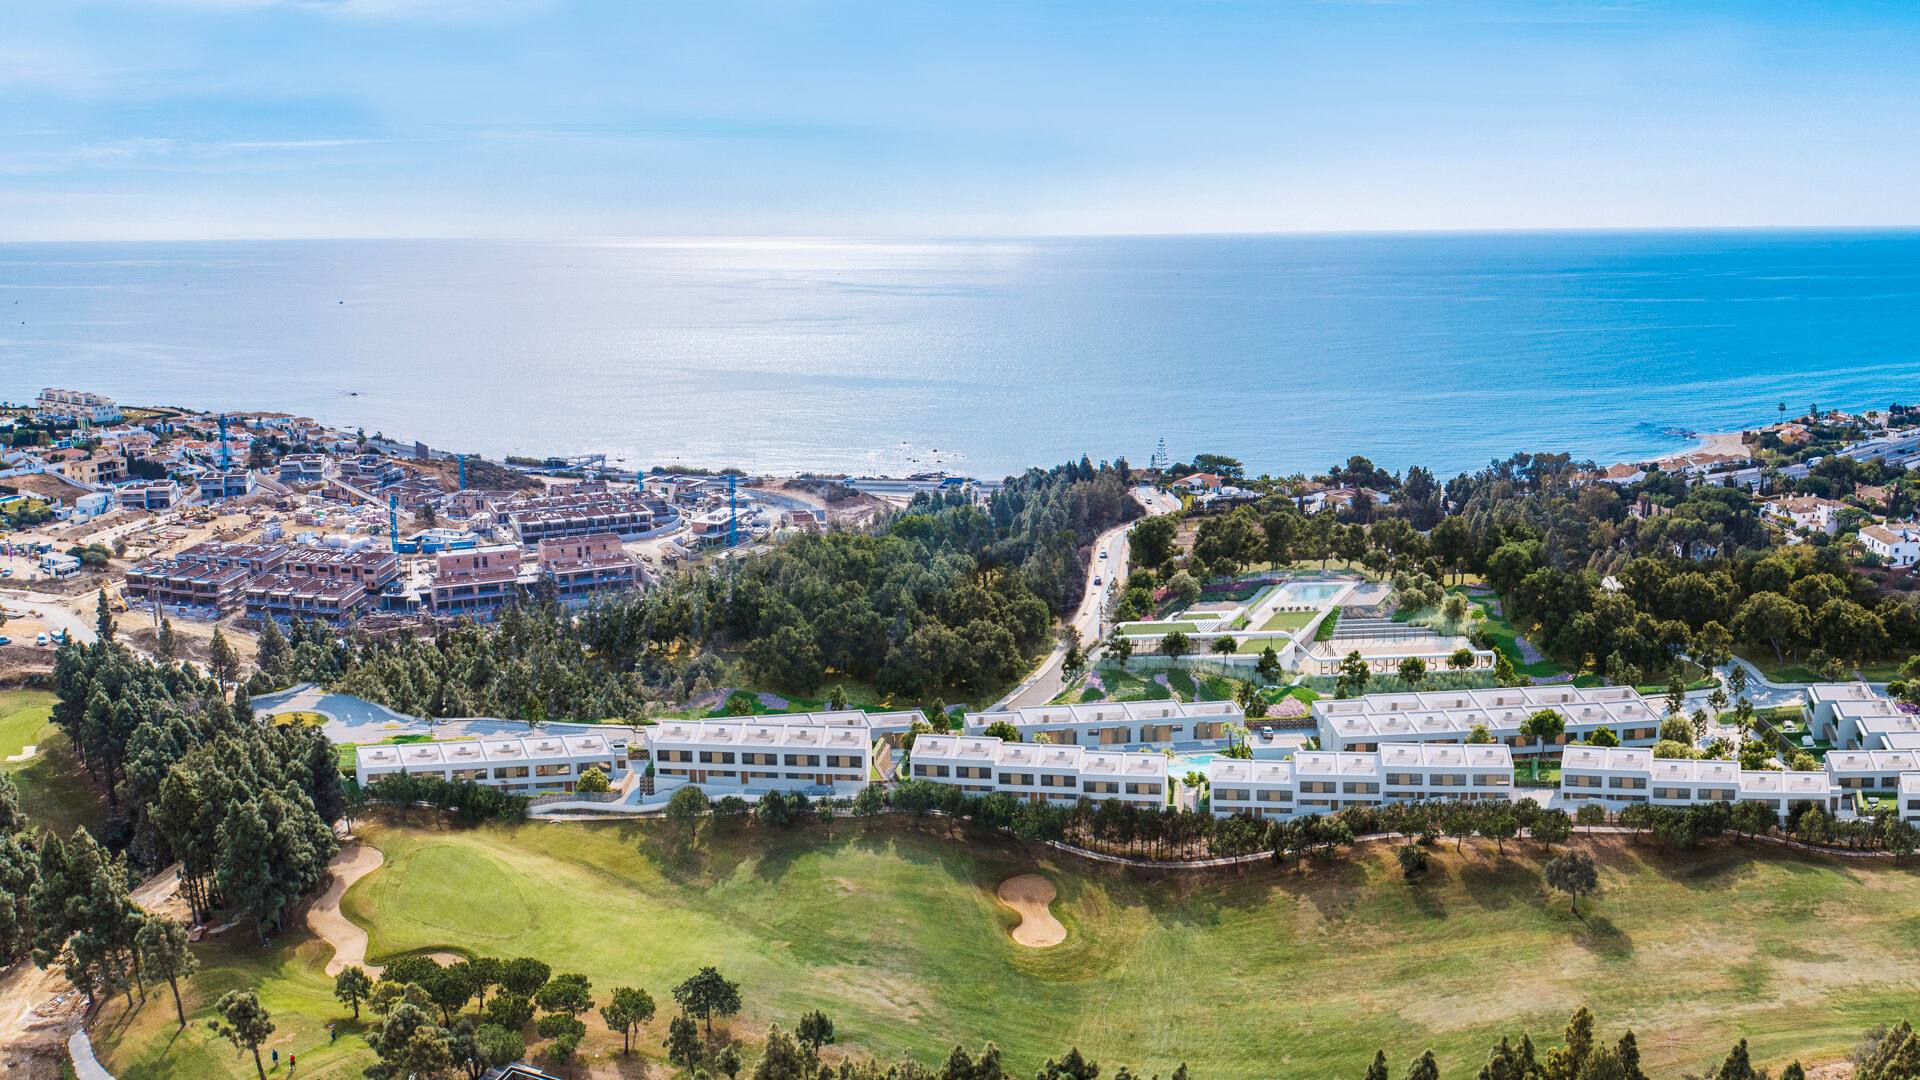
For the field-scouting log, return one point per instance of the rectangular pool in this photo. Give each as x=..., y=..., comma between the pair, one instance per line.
x=1309, y=592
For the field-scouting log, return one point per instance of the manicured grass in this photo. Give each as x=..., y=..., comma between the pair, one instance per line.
x=1289, y=620
x=53, y=791
x=1158, y=627
x=895, y=933
x=1794, y=671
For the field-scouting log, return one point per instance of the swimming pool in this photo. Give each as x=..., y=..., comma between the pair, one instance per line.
x=1195, y=762
x=1309, y=592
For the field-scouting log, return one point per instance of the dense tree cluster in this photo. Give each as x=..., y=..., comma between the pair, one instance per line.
x=246, y=808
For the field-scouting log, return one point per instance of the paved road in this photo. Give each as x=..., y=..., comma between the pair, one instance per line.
x=51, y=612
x=1111, y=574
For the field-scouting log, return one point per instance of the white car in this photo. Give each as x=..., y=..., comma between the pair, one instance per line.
x=41, y=640
x=1103, y=554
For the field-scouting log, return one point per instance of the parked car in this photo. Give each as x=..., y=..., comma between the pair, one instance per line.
x=1096, y=581
x=41, y=640
x=5, y=640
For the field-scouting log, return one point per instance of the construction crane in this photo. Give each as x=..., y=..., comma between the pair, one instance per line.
x=224, y=460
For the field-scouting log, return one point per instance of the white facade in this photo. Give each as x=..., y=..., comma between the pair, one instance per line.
x=534, y=765
x=1449, y=716
x=75, y=406
x=1117, y=723
x=1324, y=782
x=1618, y=776
x=815, y=753
x=1896, y=545
x=1041, y=772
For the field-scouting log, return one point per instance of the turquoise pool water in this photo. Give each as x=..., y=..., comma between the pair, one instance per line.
x=1196, y=762
x=1309, y=592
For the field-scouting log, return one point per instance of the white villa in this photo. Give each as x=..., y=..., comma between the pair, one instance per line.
x=1896, y=545
x=1448, y=716
x=1041, y=772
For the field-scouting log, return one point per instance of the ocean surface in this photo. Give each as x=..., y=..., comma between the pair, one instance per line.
x=986, y=356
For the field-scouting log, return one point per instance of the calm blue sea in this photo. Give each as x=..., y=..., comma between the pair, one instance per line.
x=985, y=356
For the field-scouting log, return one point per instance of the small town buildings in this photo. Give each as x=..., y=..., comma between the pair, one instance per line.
x=91, y=468
x=75, y=407
x=230, y=484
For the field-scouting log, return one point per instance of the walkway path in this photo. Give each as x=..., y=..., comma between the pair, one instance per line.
x=85, y=1065
x=349, y=941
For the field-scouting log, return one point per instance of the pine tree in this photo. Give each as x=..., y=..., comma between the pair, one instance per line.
x=163, y=948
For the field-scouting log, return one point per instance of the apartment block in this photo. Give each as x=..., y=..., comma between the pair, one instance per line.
x=533, y=765
x=1620, y=776
x=303, y=468
x=815, y=753
x=211, y=576
x=1324, y=782
x=75, y=407
x=578, y=567
x=1449, y=716
x=156, y=494
x=582, y=512
x=1116, y=723
x=1041, y=772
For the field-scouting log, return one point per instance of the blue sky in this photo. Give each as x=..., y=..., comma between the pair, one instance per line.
x=241, y=118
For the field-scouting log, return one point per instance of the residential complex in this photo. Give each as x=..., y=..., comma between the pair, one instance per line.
x=266, y=580
x=75, y=407
x=1323, y=782
x=1116, y=723
x=530, y=765
x=1449, y=716
x=1041, y=772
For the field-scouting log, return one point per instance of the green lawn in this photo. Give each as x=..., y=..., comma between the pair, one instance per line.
x=897, y=935
x=1289, y=620
x=1158, y=627
x=52, y=792
x=1796, y=672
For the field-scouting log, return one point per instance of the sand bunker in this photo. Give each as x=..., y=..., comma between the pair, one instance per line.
x=1029, y=894
x=349, y=941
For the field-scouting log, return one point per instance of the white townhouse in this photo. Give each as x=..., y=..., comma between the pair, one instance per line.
x=1449, y=716
x=1910, y=797
x=1615, y=774
x=1780, y=790
x=1896, y=545
x=1258, y=788
x=1621, y=775
x=1849, y=771
x=815, y=753
x=1683, y=782
x=531, y=765
x=1852, y=717
x=1041, y=772
x=1117, y=723
x=1323, y=782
